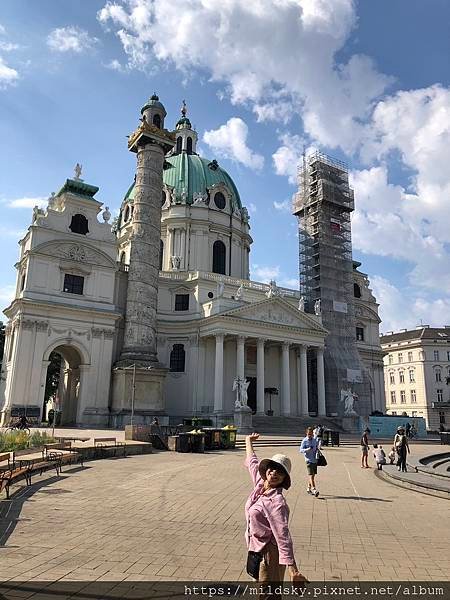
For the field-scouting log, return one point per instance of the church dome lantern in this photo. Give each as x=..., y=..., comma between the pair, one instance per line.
x=154, y=112
x=186, y=137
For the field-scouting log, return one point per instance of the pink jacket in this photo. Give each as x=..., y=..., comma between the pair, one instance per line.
x=267, y=517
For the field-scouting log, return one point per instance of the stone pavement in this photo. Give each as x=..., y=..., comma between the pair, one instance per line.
x=168, y=516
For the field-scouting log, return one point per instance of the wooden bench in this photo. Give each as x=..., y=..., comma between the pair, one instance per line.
x=36, y=462
x=65, y=452
x=105, y=446
x=11, y=473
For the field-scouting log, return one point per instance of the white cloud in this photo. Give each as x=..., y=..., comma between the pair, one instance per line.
x=284, y=206
x=276, y=55
x=8, y=46
x=252, y=208
x=27, y=202
x=8, y=75
x=7, y=293
x=70, y=39
x=400, y=310
x=264, y=274
x=230, y=141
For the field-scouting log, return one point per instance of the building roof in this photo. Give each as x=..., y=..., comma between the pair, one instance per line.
x=420, y=333
x=78, y=187
x=194, y=174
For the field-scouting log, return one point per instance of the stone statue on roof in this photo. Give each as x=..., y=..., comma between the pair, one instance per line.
x=78, y=169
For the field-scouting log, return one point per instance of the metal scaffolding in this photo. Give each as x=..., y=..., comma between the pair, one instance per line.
x=323, y=205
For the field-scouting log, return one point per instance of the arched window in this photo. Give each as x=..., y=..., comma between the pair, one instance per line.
x=127, y=214
x=177, y=358
x=219, y=257
x=163, y=198
x=356, y=290
x=79, y=224
x=122, y=258
x=179, y=144
x=189, y=145
x=161, y=254
x=157, y=121
x=219, y=200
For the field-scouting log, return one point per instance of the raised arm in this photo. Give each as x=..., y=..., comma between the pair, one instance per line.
x=249, y=439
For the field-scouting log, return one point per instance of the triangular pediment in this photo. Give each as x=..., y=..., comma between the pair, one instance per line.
x=276, y=311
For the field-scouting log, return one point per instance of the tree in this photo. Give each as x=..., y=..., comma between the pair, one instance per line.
x=53, y=374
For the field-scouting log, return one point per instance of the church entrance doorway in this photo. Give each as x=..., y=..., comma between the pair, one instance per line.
x=251, y=394
x=62, y=384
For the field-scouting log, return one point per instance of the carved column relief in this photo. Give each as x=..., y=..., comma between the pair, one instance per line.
x=140, y=320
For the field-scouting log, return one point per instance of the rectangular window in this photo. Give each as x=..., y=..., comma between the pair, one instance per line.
x=402, y=376
x=393, y=412
x=412, y=378
x=440, y=395
x=392, y=378
x=414, y=413
x=393, y=398
x=448, y=355
x=400, y=357
x=391, y=359
x=181, y=301
x=403, y=396
x=436, y=354
x=360, y=334
x=410, y=356
x=413, y=397
x=438, y=376
x=73, y=284
x=442, y=418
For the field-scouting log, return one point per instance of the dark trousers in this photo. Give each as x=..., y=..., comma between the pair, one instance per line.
x=401, y=462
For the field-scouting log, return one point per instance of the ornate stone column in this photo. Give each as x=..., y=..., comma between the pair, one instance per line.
x=218, y=374
x=321, y=406
x=304, y=381
x=285, y=381
x=150, y=143
x=240, y=356
x=260, y=405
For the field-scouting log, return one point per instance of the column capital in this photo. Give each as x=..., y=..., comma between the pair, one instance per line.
x=219, y=336
x=286, y=345
x=261, y=341
x=241, y=339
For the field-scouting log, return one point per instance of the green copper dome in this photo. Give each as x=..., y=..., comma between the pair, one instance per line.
x=193, y=174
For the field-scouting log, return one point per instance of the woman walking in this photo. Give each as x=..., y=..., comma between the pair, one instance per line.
x=267, y=514
x=401, y=446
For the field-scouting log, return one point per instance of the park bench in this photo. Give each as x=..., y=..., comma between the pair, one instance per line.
x=64, y=450
x=37, y=462
x=106, y=446
x=10, y=473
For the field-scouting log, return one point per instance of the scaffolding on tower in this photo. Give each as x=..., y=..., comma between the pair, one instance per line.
x=323, y=205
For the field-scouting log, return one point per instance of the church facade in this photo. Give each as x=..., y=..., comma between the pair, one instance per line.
x=155, y=314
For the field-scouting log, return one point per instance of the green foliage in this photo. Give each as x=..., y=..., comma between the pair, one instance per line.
x=20, y=440
x=53, y=373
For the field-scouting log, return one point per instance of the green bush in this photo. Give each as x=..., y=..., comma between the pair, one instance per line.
x=20, y=440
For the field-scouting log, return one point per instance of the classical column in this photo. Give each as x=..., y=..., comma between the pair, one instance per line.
x=240, y=356
x=218, y=374
x=285, y=381
x=304, y=381
x=321, y=407
x=260, y=406
x=150, y=144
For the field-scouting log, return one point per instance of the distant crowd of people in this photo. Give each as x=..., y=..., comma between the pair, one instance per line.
x=399, y=451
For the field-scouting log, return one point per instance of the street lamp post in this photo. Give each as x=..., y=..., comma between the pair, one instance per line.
x=133, y=390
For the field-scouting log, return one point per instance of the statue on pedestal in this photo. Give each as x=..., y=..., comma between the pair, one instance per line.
x=301, y=304
x=317, y=307
x=348, y=399
x=240, y=386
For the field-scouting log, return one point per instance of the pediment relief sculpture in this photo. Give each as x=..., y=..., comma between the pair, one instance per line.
x=76, y=252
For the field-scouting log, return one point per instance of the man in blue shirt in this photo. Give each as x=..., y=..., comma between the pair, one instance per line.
x=309, y=448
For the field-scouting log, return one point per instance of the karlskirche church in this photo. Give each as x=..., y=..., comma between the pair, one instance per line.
x=155, y=314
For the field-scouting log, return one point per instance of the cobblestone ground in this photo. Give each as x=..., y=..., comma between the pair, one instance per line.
x=174, y=516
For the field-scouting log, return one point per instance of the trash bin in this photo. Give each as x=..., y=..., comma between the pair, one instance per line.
x=184, y=442
x=197, y=441
x=334, y=438
x=326, y=437
x=212, y=438
x=172, y=442
x=231, y=435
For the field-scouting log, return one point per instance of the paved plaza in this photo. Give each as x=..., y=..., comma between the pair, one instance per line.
x=169, y=516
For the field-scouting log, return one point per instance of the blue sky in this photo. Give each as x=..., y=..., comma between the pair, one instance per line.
x=364, y=81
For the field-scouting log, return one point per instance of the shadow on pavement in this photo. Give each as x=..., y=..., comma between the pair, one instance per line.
x=365, y=499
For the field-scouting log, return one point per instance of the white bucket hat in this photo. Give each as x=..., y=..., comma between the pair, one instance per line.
x=281, y=460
